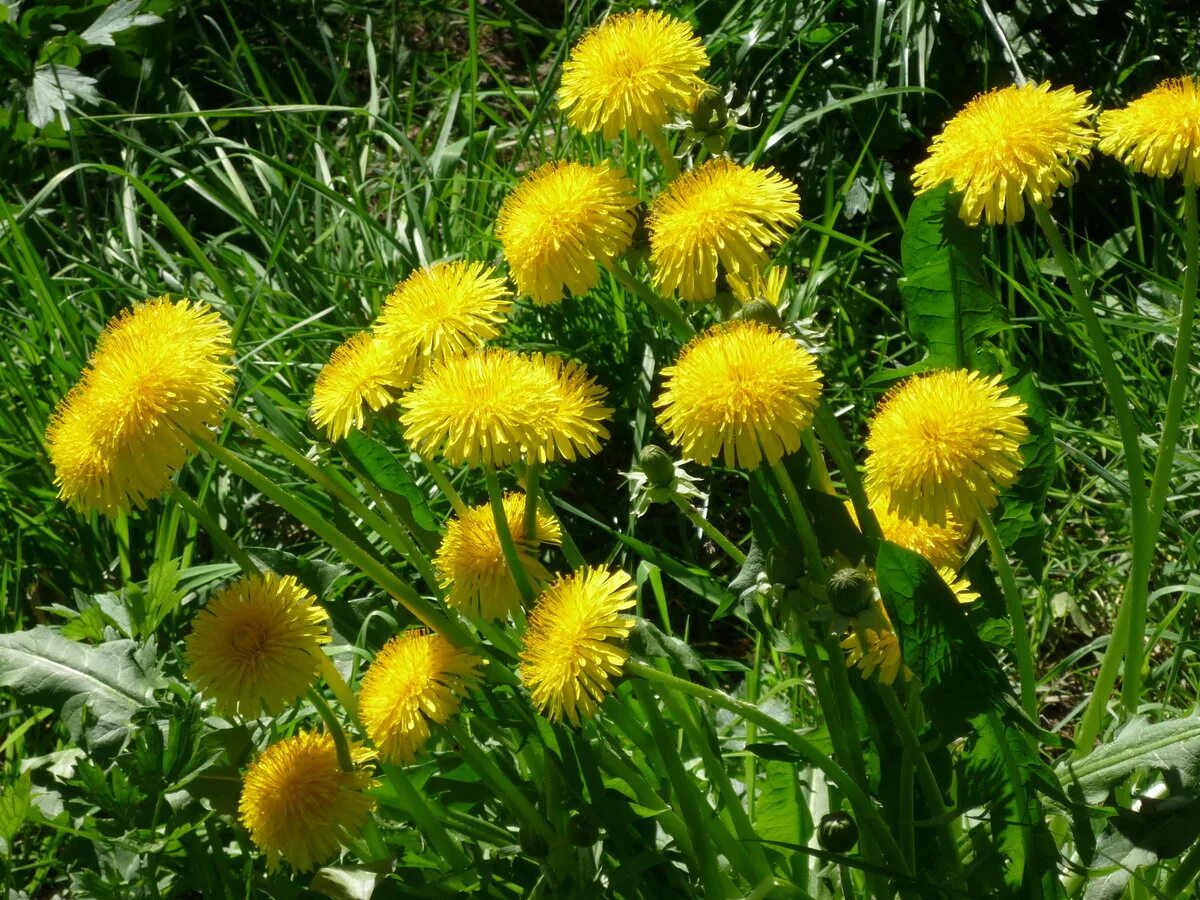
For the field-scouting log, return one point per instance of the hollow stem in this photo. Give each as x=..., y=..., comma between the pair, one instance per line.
x=1133, y=601
x=1016, y=613
x=219, y=535
x=339, y=687
x=444, y=485
x=1180, y=366
x=515, y=567
x=533, y=473
x=808, y=538
x=670, y=163
x=335, y=729
x=666, y=308
x=829, y=430
x=709, y=529
x=425, y=819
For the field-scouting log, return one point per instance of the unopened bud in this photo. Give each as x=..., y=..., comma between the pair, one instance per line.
x=711, y=114
x=658, y=465
x=761, y=311
x=850, y=591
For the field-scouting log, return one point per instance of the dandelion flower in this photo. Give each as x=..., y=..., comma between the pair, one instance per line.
x=445, y=309
x=572, y=649
x=959, y=586
x=630, y=72
x=1159, y=133
x=1008, y=143
x=256, y=645
x=719, y=215
x=944, y=444
x=362, y=374
x=496, y=407
x=417, y=678
x=159, y=369
x=873, y=647
x=941, y=545
x=766, y=286
x=471, y=566
x=560, y=223
x=299, y=805
x=743, y=391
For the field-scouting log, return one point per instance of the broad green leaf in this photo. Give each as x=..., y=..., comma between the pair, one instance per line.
x=14, y=807
x=1161, y=828
x=647, y=641
x=317, y=576
x=1170, y=746
x=346, y=883
x=1019, y=519
x=111, y=681
x=949, y=305
x=780, y=811
x=378, y=463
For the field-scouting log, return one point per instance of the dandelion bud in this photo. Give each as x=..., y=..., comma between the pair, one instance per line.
x=850, y=591
x=658, y=465
x=837, y=833
x=711, y=115
x=761, y=311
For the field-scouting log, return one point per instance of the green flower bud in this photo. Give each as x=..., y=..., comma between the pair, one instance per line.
x=711, y=114
x=837, y=833
x=658, y=466
x=850, y=591
x=760, y=311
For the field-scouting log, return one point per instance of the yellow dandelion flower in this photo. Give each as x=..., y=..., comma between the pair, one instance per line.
x=496, y=407
x=944, y=444
x=256, y=645
x=766, y=286
x=959, y=586
x=417, y=678
x=299, y=805
x=572, y=650
x=719, y=215
x=873, y=647
x=445, y=309
x=362, y=374
x=562, y=222
x=630, y=72
x=470, y=562
x=743, y=391
x=1009, y=144
x=1158, y=133
x=158, y=370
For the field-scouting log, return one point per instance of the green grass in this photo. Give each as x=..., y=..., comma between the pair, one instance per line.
x=290, y=165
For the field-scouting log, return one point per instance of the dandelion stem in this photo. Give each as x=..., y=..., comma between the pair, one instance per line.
x=829, y=430
x=864, y=809
x=808, y=538
x=709, y=529
x=1016, y=613
x=666, y=308
x=339, y=687
x=533, y=472
x=670, y=163
x=515, y=567
x=335, y=729
x=214, y=529
x=444, y=485
x=1132, y=613
x=1161, y=483
x=427, y=822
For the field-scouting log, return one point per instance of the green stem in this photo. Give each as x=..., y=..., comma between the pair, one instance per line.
x=666, y=308
x=930, y=789
x=1016, y=613
x=381, y=574
x=808, y=538
x=1180, y=366
x=1138, y=587
x=427, y=822
x=214, y=529
x=709, y=529
x=491, y=775
x=863, y=807
x=335, y=730
x=1184, y=874
x=444, y=485
x=414, y=554
x=533, y=473
x=670, y=163
x=339, y=687
x=829, y=430
x=818, y=473
x=515, y=567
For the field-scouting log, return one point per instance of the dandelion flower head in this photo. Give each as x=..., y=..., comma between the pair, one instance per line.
x=572, y=649
x=470, y=562
x=496, y=407
x=719, y=216
x=1009, y=143
x=945, y=444
x=448, y=308
x=561, y=223
x=362, y=375
x=873, y=646
x=299, y=805
x=941, y=545
x=743, y=391
x=1158, y=133
x=416, y=679
x=256, y=645
x=159, y=369
x=630, y=72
